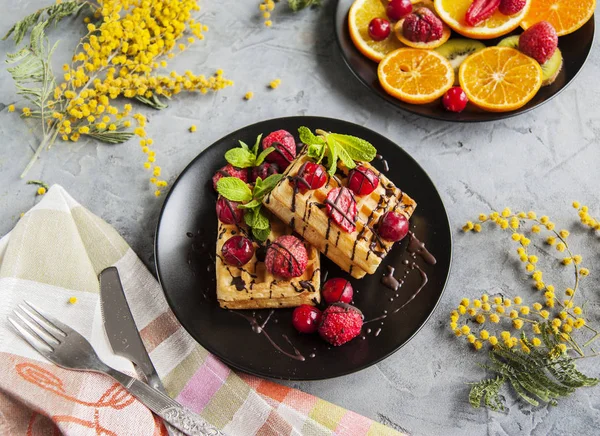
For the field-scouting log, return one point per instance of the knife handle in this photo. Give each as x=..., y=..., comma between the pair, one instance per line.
x=164, y=406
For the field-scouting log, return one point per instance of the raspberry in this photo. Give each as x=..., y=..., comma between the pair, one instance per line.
x=539, y=41
x=286, y=257
x=285, y=148
x=422, y=26
x=230, y=171
x=341, y=207
x=340, y=323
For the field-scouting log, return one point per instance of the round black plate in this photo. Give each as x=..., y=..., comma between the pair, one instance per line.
x=185, y=253
x=575, y=48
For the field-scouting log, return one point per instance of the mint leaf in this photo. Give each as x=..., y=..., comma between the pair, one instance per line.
x=244, y=145
x=316, y=152
x=308, y=138
x=331, y=152
x=261, y=235
x=266, y=186
x=256, y=144
x=261, y=157
x=249, y=217
x=356, y=148
x=261, y=222
x=342, y=153
x=234, y=189
x=240, y=157
x=250, y=205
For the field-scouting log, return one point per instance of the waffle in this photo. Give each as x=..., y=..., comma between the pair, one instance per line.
x=253, y=287
x=360, y=252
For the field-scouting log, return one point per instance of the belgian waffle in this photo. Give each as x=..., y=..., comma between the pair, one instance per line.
x=359, y=252
x=253, y=287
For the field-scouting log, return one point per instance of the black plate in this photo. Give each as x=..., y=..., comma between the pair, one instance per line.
x=575, y=48
x=185, y=252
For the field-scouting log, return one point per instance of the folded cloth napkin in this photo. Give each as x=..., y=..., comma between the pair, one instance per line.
x=55, y=253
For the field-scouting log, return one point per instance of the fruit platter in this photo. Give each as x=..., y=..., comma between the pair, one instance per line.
x=465, y=60
x=292, y=249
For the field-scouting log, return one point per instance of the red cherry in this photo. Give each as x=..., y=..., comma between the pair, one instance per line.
x=337, y=291
x=306, y=318
x=237, y=251
x=341, y=207
x=228, y=211
x=263, y=171
x=362, y=181
x=455, y=100
x=393, y=226
x=310, y=176
x=398, y=9
x=379, y=29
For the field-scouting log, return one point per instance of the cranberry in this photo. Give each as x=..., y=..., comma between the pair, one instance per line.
x=228, y=211
x=263, y=171
x=337, y=291
x=310, y=176
x=362, y=181
x=230, y=171
x=237, y=250
x=379, y=29
x=306, y=318
x=341, y=207
x=455, y=100
x=393, y=226
x=398, y=9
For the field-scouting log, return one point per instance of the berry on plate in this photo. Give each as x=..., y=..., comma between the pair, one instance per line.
x=286, y=257
x=540, y=41
x=310, y=176
x=455, y=100
x=228, y=211
x=511, y=7
x=379, y=29
x=340, y=323
x=337, y=290
x=230, y=171
x=422, y=29
x=237, y=251
x=341, y=207
x=263, y=171
x=362, y=180
x=481, y=10
x=393, y=226
x=306, y=319
x=285, y=148
x=397, y=9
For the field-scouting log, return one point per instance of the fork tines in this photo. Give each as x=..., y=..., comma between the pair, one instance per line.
x=40, y=330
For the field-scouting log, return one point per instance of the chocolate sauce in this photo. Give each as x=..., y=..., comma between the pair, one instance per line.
x=389, y=280
x=279, y=151
x=424, y=280
x=260, y=329
x=365, y=177
x=189, y=234
x=417, y=247
x=239, y=283
x=386, y=167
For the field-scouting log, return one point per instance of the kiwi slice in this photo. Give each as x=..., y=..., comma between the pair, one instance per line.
x=457, y=50
x=550, y=69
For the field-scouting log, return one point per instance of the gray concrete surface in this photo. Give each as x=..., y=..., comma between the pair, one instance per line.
x=541, y=160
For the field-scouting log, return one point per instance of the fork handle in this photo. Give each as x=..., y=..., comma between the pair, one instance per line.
x=164, y=406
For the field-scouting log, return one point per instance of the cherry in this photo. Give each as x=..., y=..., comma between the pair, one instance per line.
x=455, y=99
x=398, y=9
x=337, y=291
x=393, y=226
x=341, y=207
x=237, y=251
x=306, y=318
x=263, y=171
x=379, y=29
x=310, y=176
x=228, y=211
x=362, y=181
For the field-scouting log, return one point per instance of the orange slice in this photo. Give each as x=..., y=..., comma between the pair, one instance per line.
x=500, y=79
x=565, y=15
x=415, y=76
x=453, y=12
x=360, y=15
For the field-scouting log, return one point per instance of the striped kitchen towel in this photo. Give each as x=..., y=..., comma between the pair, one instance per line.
x=55, y=253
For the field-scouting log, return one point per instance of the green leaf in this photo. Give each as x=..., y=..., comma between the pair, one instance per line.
x=249, y=217
x=332, y=157
x=244, y=145
x=261, y=234
x=110, y=136
x=240, y=157
x=341, y=152
x=261, y=222
x=261, y=157
x=297, y=5
x=357, y=148
x=234, y=189
x=250, y=205
x=256, y=144
x=316, y=152
x=264, y=187
x=154, y=102
x=307, y=137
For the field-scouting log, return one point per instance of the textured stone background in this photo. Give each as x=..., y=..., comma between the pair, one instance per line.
x=541, y=160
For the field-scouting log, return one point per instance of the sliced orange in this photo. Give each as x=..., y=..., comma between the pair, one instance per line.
x=360, y=15
x=565, y=15
x=427, y=45
x=500, y=79
x=453, y=13
x=415, y=76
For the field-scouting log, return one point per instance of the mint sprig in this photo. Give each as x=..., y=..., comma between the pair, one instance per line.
x=244, y=157
x=335, y=146
x=237, y=190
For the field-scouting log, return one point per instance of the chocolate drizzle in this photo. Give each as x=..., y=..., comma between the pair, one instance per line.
x=384, y=162
x=239, y=283
x=417, y=247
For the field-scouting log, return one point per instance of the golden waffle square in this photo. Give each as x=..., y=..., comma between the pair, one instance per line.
x=359, y=252
x=253, y=287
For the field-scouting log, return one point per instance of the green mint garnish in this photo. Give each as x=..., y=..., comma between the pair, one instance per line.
x=234, y=189
x=244, y=157
x=336, y=146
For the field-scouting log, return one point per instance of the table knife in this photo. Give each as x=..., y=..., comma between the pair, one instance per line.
x=123, y=335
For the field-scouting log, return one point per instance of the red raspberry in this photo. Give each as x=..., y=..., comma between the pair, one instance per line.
x=285, y=148
x=511, y=7
x=422, y=26
x=306, y=318
x=539, y=41
x=310, y=176
x=362, y=181
x=230, y=171
x=237, y=251
x=340, y=323
x=228, y=211
x=286, y=257
x=341, y=207
x=393, y=226
x=337, y=291
x=263, y=171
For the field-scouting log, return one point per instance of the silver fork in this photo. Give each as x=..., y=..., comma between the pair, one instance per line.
x=64, y=346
